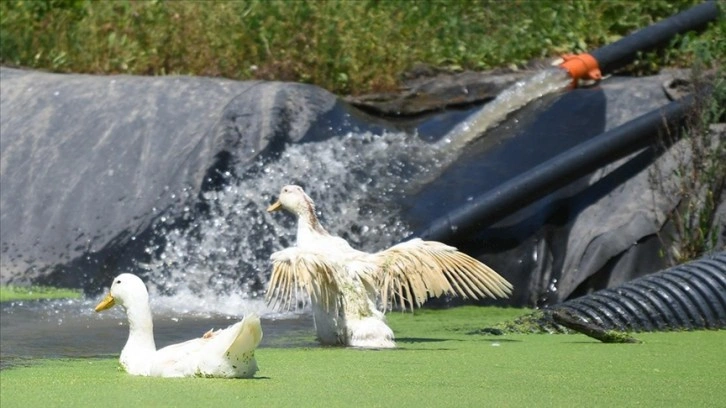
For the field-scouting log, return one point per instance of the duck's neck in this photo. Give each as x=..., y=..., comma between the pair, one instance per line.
x=136, y=354
x=308, y=225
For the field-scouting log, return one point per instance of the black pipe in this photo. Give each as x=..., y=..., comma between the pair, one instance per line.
x=589, y=156
x=557, y=172
x=624, y=51
x=688, y=296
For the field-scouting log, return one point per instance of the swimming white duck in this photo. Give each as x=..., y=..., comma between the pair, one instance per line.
x=344, y=283
x=227, y=352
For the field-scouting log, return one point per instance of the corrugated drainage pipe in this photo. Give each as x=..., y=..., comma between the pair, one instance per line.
x=688, y=296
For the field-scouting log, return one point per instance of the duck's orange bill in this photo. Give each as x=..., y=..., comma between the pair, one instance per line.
x=275, y=206
x=106, y=303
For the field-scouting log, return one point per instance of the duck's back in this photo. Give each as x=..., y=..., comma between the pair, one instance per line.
x=223, y=353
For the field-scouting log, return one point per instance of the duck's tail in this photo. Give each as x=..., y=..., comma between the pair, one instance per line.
x=370, y=332
x=248, y=335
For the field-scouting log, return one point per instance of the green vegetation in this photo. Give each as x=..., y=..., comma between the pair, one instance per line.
x=699, y=177
x=9, y=293
x=535, y=322
x=343, y=46
x=439, y=362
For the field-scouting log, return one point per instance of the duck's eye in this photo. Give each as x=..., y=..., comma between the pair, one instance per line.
x=118, y=281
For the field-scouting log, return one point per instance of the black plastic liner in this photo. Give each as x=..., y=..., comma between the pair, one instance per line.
x=555, y=173
x=685, y=297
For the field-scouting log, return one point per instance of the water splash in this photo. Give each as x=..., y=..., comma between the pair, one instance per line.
x=219, y=262
x=524, y=91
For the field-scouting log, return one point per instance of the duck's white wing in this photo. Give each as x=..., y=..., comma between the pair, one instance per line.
x=177, y=360
x=412, y=271
x=226, y=352
x=296, y=270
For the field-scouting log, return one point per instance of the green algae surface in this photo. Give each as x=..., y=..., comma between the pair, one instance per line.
x=441, y=360
x=11, y=293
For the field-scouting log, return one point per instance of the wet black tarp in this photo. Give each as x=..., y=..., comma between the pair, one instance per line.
x=89, y=162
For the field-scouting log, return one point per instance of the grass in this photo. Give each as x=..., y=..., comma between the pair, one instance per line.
x=10, y=293
x=698, y=179
x=345, y=46
x=439, y=362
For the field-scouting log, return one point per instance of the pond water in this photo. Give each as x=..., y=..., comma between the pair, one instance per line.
x=71, y=329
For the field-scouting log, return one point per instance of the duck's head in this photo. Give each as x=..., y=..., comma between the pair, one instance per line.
x=127, y=289
x=293, y=199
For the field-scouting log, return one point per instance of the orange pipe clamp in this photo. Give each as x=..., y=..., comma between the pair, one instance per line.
x=581, y=66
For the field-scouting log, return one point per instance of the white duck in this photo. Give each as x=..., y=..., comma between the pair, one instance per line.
x=344, y=283
x=228, y=352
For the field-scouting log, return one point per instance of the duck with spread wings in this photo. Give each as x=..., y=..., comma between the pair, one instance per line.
x=345, y=286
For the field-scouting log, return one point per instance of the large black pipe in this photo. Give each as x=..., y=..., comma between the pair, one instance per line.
x=688, y=296
x=557, y=172
x=624, y=51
